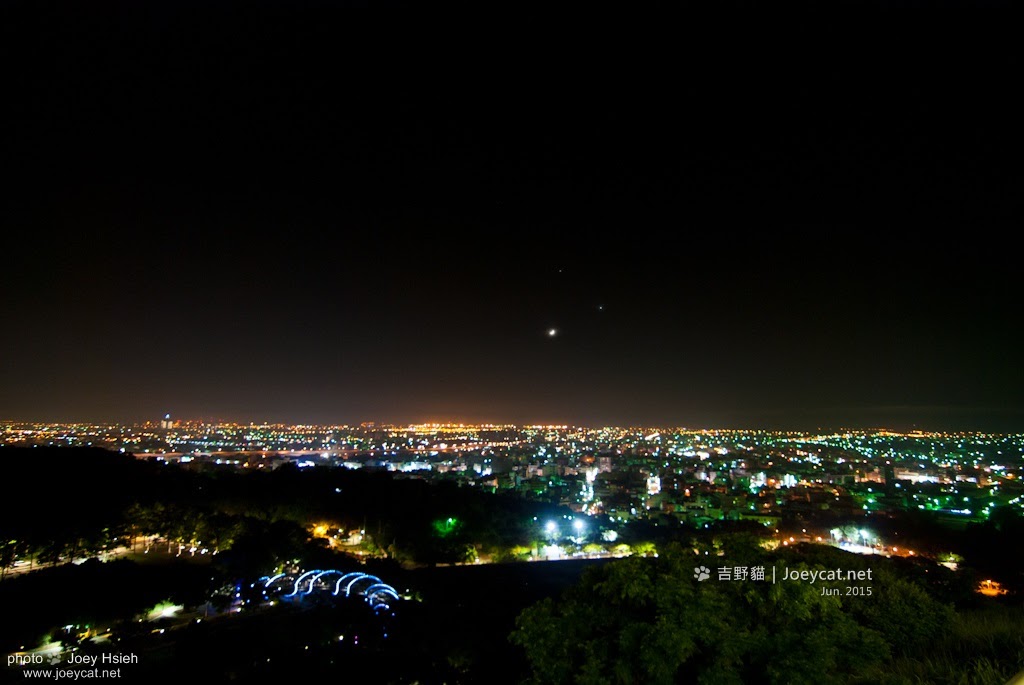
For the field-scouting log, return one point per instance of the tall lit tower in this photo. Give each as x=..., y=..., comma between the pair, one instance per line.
x=889, y=472
x=165, y=422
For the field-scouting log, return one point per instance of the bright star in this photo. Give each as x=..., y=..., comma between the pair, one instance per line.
x=552, y=332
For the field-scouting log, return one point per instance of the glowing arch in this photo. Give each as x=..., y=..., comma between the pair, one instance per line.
x=380, y=589
x=361, y=578
x=319, y=575
x=275, y=582
x=298, y=581
x=378, y=594
x=272, y=579
x=348, y=578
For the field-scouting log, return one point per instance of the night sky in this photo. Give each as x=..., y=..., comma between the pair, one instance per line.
x=249, y=223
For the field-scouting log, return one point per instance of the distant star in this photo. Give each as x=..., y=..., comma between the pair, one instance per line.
x=552, y=332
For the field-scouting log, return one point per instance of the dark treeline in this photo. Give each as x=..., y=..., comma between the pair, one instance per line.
x=64, y=502
x=651, y=620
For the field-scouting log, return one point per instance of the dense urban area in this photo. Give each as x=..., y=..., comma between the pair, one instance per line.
x=617, y=475
x=188, y=527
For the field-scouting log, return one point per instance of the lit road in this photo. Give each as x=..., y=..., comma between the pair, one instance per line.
x=21, y=567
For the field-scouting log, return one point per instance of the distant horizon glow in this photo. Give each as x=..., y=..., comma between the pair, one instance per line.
x=21, y=425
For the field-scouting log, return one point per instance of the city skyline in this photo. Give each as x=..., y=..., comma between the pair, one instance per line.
x=175, y=421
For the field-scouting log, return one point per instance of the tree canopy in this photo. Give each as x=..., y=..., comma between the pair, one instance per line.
x=648, y=620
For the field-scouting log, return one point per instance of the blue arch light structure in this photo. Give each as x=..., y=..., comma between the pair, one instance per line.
x=272, y=579
x=278, y=580
x=361, y=578
x=346, y=579
x=321, y=574
x=378, y=594
x=298, y=581
x=381, y=588
x=374, y=595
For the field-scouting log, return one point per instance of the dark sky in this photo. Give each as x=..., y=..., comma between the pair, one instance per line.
x=247, y=223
